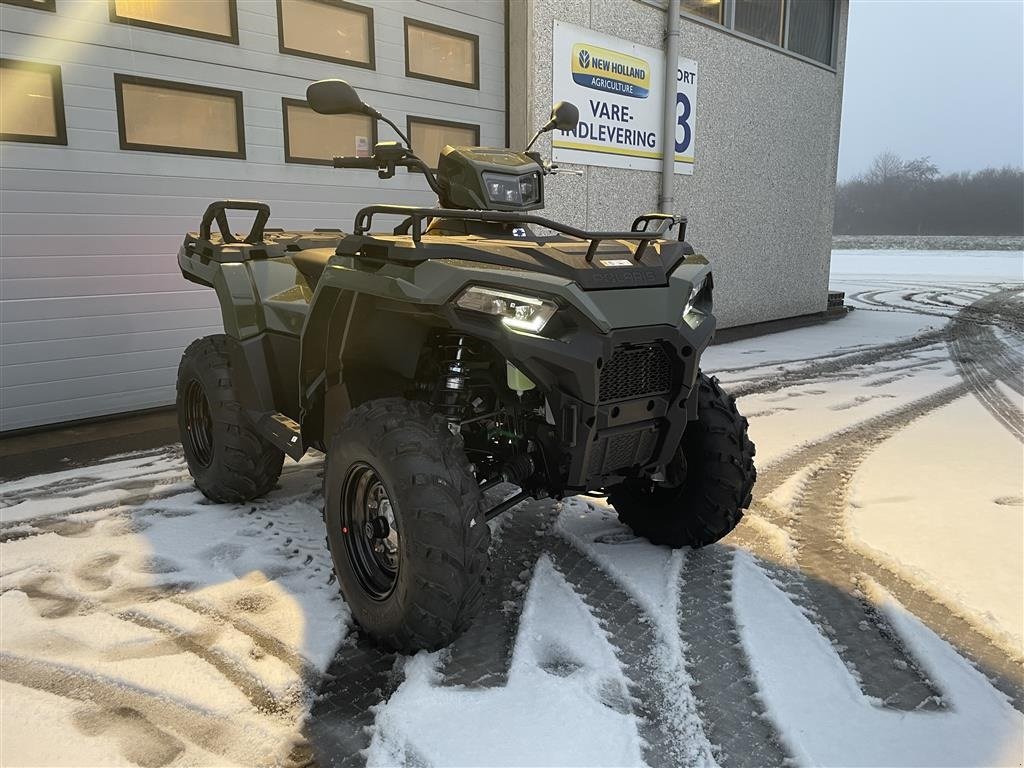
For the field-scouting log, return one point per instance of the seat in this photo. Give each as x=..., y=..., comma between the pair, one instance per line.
x=311, y=262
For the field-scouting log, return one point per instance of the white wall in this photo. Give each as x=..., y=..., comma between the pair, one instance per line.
x=94, y=314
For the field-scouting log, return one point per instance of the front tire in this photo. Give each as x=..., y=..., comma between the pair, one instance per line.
x=720, y=476
x=228, y=459
x=402, y=511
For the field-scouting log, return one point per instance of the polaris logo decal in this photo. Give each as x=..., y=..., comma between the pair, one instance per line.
x=610, y=71
x=616, y=277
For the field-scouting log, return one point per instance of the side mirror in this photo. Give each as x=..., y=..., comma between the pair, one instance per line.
x=564, y=116
x=334, y=97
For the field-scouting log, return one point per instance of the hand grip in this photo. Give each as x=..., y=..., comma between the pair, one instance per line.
x=217, y=211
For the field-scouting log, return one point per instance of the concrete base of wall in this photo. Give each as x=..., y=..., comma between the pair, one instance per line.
x=51, y=449
x=739, y=332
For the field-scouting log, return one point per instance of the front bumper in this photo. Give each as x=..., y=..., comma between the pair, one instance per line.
x=620, y=401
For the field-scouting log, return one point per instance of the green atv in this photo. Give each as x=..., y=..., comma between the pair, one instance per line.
x=460, y=351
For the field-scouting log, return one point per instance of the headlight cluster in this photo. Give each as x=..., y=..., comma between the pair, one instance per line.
x=512, y=190
x=521, y=313
x=694, y=293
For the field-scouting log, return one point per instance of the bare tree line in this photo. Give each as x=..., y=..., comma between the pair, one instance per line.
x=898, y=197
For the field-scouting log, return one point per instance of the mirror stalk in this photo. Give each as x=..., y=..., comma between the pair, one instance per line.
x=564, y=116
x=544, y=129
x=378, y=116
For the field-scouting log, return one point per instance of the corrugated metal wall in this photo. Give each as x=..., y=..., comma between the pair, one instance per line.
x=94, y=314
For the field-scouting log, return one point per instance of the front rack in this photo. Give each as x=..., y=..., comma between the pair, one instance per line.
x=415, y=216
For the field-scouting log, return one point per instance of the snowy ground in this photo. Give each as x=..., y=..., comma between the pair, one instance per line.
x=868, y=610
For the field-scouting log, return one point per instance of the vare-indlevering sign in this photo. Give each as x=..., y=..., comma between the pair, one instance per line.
x=619, y=89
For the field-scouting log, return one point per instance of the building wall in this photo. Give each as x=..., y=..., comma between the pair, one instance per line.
x=94, y=314
x=761, y=196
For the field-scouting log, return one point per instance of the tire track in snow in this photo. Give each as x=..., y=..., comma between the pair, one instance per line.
x=58, y=594
x=825, y=546
x=362, y=677
x=200, y=645
x=214, y=733
x=341, y=721
x=671, y=731
x=728, y=701
x=982, y=359
x=308, y=674
x=839, y=354
x=871, y=301
x=825, y=553
x=480, y=658
x=833, y=559
x=53, y=603
x=1006, y=672
x=835, y=366
x=832, y=595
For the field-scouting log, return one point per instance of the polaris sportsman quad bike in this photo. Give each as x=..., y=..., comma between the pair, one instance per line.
x=459, y=351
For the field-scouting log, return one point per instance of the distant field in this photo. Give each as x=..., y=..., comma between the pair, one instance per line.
x=928, y=242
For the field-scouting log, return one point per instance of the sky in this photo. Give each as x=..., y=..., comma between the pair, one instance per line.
x=942, y=78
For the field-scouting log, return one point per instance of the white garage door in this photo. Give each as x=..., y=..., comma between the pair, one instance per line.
x=100, y=177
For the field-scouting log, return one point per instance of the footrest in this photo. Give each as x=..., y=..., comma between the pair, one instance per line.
x=282, y=432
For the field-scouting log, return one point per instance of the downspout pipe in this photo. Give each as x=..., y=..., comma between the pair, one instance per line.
x=667, y=201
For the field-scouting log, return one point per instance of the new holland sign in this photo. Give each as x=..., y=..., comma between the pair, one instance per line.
x=605, y=70
x=618, y=87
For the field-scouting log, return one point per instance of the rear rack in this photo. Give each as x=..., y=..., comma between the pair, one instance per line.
x=640, y=232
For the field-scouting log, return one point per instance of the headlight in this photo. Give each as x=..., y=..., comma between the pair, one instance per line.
x=512, y=190
x=522, y=313
x=694, y=293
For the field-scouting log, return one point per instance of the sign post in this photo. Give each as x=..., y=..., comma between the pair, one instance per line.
x=617, y=86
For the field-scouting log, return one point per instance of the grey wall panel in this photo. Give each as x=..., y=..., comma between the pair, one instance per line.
x=70, y=409
x=93, y=312
x=109, y=325
x=31, y=311
x=54, y=371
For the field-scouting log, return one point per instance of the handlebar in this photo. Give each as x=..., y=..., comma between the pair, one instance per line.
x=385, y=166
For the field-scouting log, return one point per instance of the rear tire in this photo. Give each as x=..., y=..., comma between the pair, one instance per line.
x=416, y=582
x=720, y=478
x=228, y=459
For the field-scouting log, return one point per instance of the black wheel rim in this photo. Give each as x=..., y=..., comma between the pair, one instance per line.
x=370, y=531
x=198, y=424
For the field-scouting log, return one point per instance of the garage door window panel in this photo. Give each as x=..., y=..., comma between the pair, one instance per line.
x=212, y=19
x=31, y=103
x=315, y=139
x=329, y=30
x=442, y=55
x=180, y=118
x=429, y=136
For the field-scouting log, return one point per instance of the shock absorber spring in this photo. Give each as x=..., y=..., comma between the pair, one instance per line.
x=451, y=394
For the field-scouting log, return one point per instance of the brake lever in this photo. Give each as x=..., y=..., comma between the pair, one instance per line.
x=552, y=168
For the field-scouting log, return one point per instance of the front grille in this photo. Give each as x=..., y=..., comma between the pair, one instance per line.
x=635, y=371
x=623, y=450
